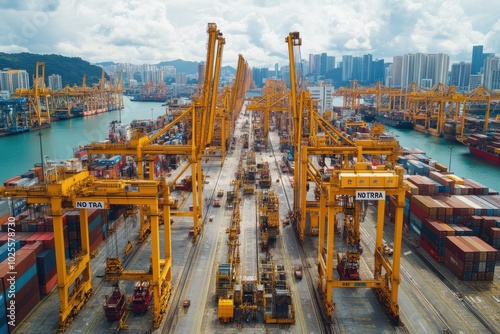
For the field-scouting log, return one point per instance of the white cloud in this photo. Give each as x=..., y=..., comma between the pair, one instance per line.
x=153, y=31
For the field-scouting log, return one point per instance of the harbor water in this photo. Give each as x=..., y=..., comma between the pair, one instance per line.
x=20, y=152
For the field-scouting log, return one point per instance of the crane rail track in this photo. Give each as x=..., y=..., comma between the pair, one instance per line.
x=317, y=305
x=170, y=318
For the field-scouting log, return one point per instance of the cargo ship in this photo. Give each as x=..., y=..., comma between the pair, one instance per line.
x=485, y=146
x=395, y=119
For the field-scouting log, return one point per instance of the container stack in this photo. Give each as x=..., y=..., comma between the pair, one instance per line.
x=470, y=258
x=433, y=237
x=5, y=212
x=47, y=271
x=26, y=285
x=95, y=223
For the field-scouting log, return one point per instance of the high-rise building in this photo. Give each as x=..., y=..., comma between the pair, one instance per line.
x=201, y=73
x=317, y=64
x=357, y=68
x=419, y=66
x=322, y=68
x=347, y=64
x=366, y=73
x=491, y=67
x=378, y=71
x=475, y=81
x=438, y=67
x=257, y=78
x=180, y=78
x=495, y=79
x=324, y=95
x=330, y=63
x=396, y=71
x=11, y=80
x=311, y=63
x=477, y=59
x=460, y=75
x=55, y=82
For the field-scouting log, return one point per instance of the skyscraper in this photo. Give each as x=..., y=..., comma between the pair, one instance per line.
x=477, y=59
x=322, y=68
x=491, y=68
x=367, y=73
x=460, y=75
x=347, y=61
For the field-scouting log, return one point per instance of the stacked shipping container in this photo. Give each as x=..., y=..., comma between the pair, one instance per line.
x=440, y=205
x=470, y=258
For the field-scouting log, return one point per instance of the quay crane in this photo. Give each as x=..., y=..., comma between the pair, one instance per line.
x=342, y=192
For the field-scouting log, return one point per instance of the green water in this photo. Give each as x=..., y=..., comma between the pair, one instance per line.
x=20, y=152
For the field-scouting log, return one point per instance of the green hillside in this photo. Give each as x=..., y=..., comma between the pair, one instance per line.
x=71, y=69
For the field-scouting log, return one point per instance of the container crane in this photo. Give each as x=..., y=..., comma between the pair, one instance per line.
x=340, y=193
x=80, y=190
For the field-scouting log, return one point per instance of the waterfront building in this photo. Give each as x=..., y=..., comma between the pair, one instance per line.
x=11, y=80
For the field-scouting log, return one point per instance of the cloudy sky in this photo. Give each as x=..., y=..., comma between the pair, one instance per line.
x=150, y=31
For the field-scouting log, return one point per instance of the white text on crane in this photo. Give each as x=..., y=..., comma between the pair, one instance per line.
x=366, y=195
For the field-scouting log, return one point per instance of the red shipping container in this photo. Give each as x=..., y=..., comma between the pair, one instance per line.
x=32, y=238
x=48, y=239
x=36, y=246
x=40, y=226
x=45, y=289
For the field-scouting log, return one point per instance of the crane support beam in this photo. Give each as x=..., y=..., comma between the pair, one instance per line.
x=75, y=281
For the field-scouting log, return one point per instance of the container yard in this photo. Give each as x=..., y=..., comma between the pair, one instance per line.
x=220, y=218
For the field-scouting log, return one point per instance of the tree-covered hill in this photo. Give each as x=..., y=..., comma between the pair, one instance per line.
x=71, y=69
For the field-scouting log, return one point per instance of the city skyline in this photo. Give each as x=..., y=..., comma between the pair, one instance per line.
x=148, y=33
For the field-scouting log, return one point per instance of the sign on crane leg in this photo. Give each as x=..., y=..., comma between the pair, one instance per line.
x=366, y=195
x=89, y=205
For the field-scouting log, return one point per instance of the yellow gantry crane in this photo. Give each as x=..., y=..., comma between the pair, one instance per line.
x=339, y=193
x=81, y=191
x=199, y=117
x=274, y=99
x=38, y=99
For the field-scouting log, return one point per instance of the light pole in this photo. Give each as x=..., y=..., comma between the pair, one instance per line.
x=41, y=153
x=449, y=164
x=151, y=113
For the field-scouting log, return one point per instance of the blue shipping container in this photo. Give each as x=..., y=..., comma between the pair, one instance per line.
x=25, y=278
x=4, y=250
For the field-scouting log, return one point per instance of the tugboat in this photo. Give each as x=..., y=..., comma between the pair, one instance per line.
x=115, y=304
x=142, y=297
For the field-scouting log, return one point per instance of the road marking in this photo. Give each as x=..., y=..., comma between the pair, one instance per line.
x=407, y=253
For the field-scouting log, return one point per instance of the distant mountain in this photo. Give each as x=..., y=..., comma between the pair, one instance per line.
x=71, y=69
